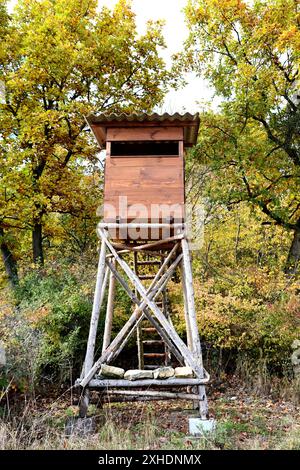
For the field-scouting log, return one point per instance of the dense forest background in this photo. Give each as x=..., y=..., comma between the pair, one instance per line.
x=61, y=60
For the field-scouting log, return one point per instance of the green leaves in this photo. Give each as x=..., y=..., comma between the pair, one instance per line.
x=251, y=145
x=61, y=60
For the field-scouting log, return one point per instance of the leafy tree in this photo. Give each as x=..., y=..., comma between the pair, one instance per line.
x=61, y=60
x=250, y=54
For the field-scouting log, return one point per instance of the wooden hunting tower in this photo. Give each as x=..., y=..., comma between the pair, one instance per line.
x=144, y=191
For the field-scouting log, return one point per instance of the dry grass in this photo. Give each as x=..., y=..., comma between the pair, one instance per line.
x=245, y=421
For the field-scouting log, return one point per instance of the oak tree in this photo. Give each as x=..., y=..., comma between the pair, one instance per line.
x=59, y=61
x=250, y=54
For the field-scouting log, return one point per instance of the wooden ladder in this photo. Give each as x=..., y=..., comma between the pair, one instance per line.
x=149, y=344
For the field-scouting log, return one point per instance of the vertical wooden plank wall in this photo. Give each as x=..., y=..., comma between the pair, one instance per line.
x=144, y=179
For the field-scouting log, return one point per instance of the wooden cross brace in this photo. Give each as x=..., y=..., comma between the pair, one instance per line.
x=146, y=307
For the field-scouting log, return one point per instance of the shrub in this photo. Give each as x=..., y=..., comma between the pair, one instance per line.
x=254, y=314
x=49, y=326
x=257, y=314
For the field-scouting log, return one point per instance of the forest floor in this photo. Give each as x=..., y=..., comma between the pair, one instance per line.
x=244, y=421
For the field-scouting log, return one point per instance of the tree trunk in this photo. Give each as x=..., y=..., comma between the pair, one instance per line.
x=9, y=261
x=37, y=243
x=293, y=258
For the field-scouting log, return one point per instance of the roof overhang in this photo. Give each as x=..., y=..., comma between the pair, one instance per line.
x=100, y=122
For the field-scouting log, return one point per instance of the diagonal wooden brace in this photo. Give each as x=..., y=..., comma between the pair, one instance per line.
x=153, y=293
x=170, y=330
x=134, y=317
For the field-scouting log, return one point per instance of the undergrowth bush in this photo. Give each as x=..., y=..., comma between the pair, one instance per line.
x=254, y=314
x=46, y=327
x=59, y=309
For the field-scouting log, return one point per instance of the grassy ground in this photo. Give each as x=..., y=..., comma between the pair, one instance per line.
x=244, y=421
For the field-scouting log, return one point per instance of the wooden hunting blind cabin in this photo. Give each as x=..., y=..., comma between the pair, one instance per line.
x=144, y=164
x=144, y=167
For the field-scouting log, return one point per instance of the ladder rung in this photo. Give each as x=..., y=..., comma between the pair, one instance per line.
x=144, y=277
x=149, y=329
x=148, y=263
x=152, y=341
x=152, y=366
x=154, y=354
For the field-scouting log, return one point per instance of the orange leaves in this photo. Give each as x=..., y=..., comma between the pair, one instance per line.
x=290, y=39
x=61, y=61
x=36, y=315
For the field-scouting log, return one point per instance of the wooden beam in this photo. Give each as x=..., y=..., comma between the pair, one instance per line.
x=173, y=382
x=145, y=246
x=129, y=225
x=98, y=299
x=186, y=310
x=141, y=306
x=139, y=336
x=152, y=393
x=131, y=321
x=123, y=134
x=109, y=311
x=189, y=290
x=157, y=312
x=188, y=282
x=110, y=398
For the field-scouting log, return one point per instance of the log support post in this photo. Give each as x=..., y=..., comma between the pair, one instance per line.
x=102, y=274
x=109, y=310
x=191, y=321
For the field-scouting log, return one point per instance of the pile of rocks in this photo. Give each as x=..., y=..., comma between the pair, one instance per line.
x=161, y=373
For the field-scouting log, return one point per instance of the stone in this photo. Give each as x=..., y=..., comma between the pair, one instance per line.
x=137, y=374
x=2, y=355
x=163, y=373
x=296, y=344
x=184, y=373
x=199, y=427
x=295, y=358
x=111, y=372
x=297, y=370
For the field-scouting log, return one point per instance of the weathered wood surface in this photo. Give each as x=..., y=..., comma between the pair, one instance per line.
x=109, y=311
x=157, y=284
x=186, y=309
x=102, y=275
x=170, y=331
x=101, y=383
x=195, y=338
x=153, y=393
x=98, y=298
x=139, y=336
x=110, y=398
